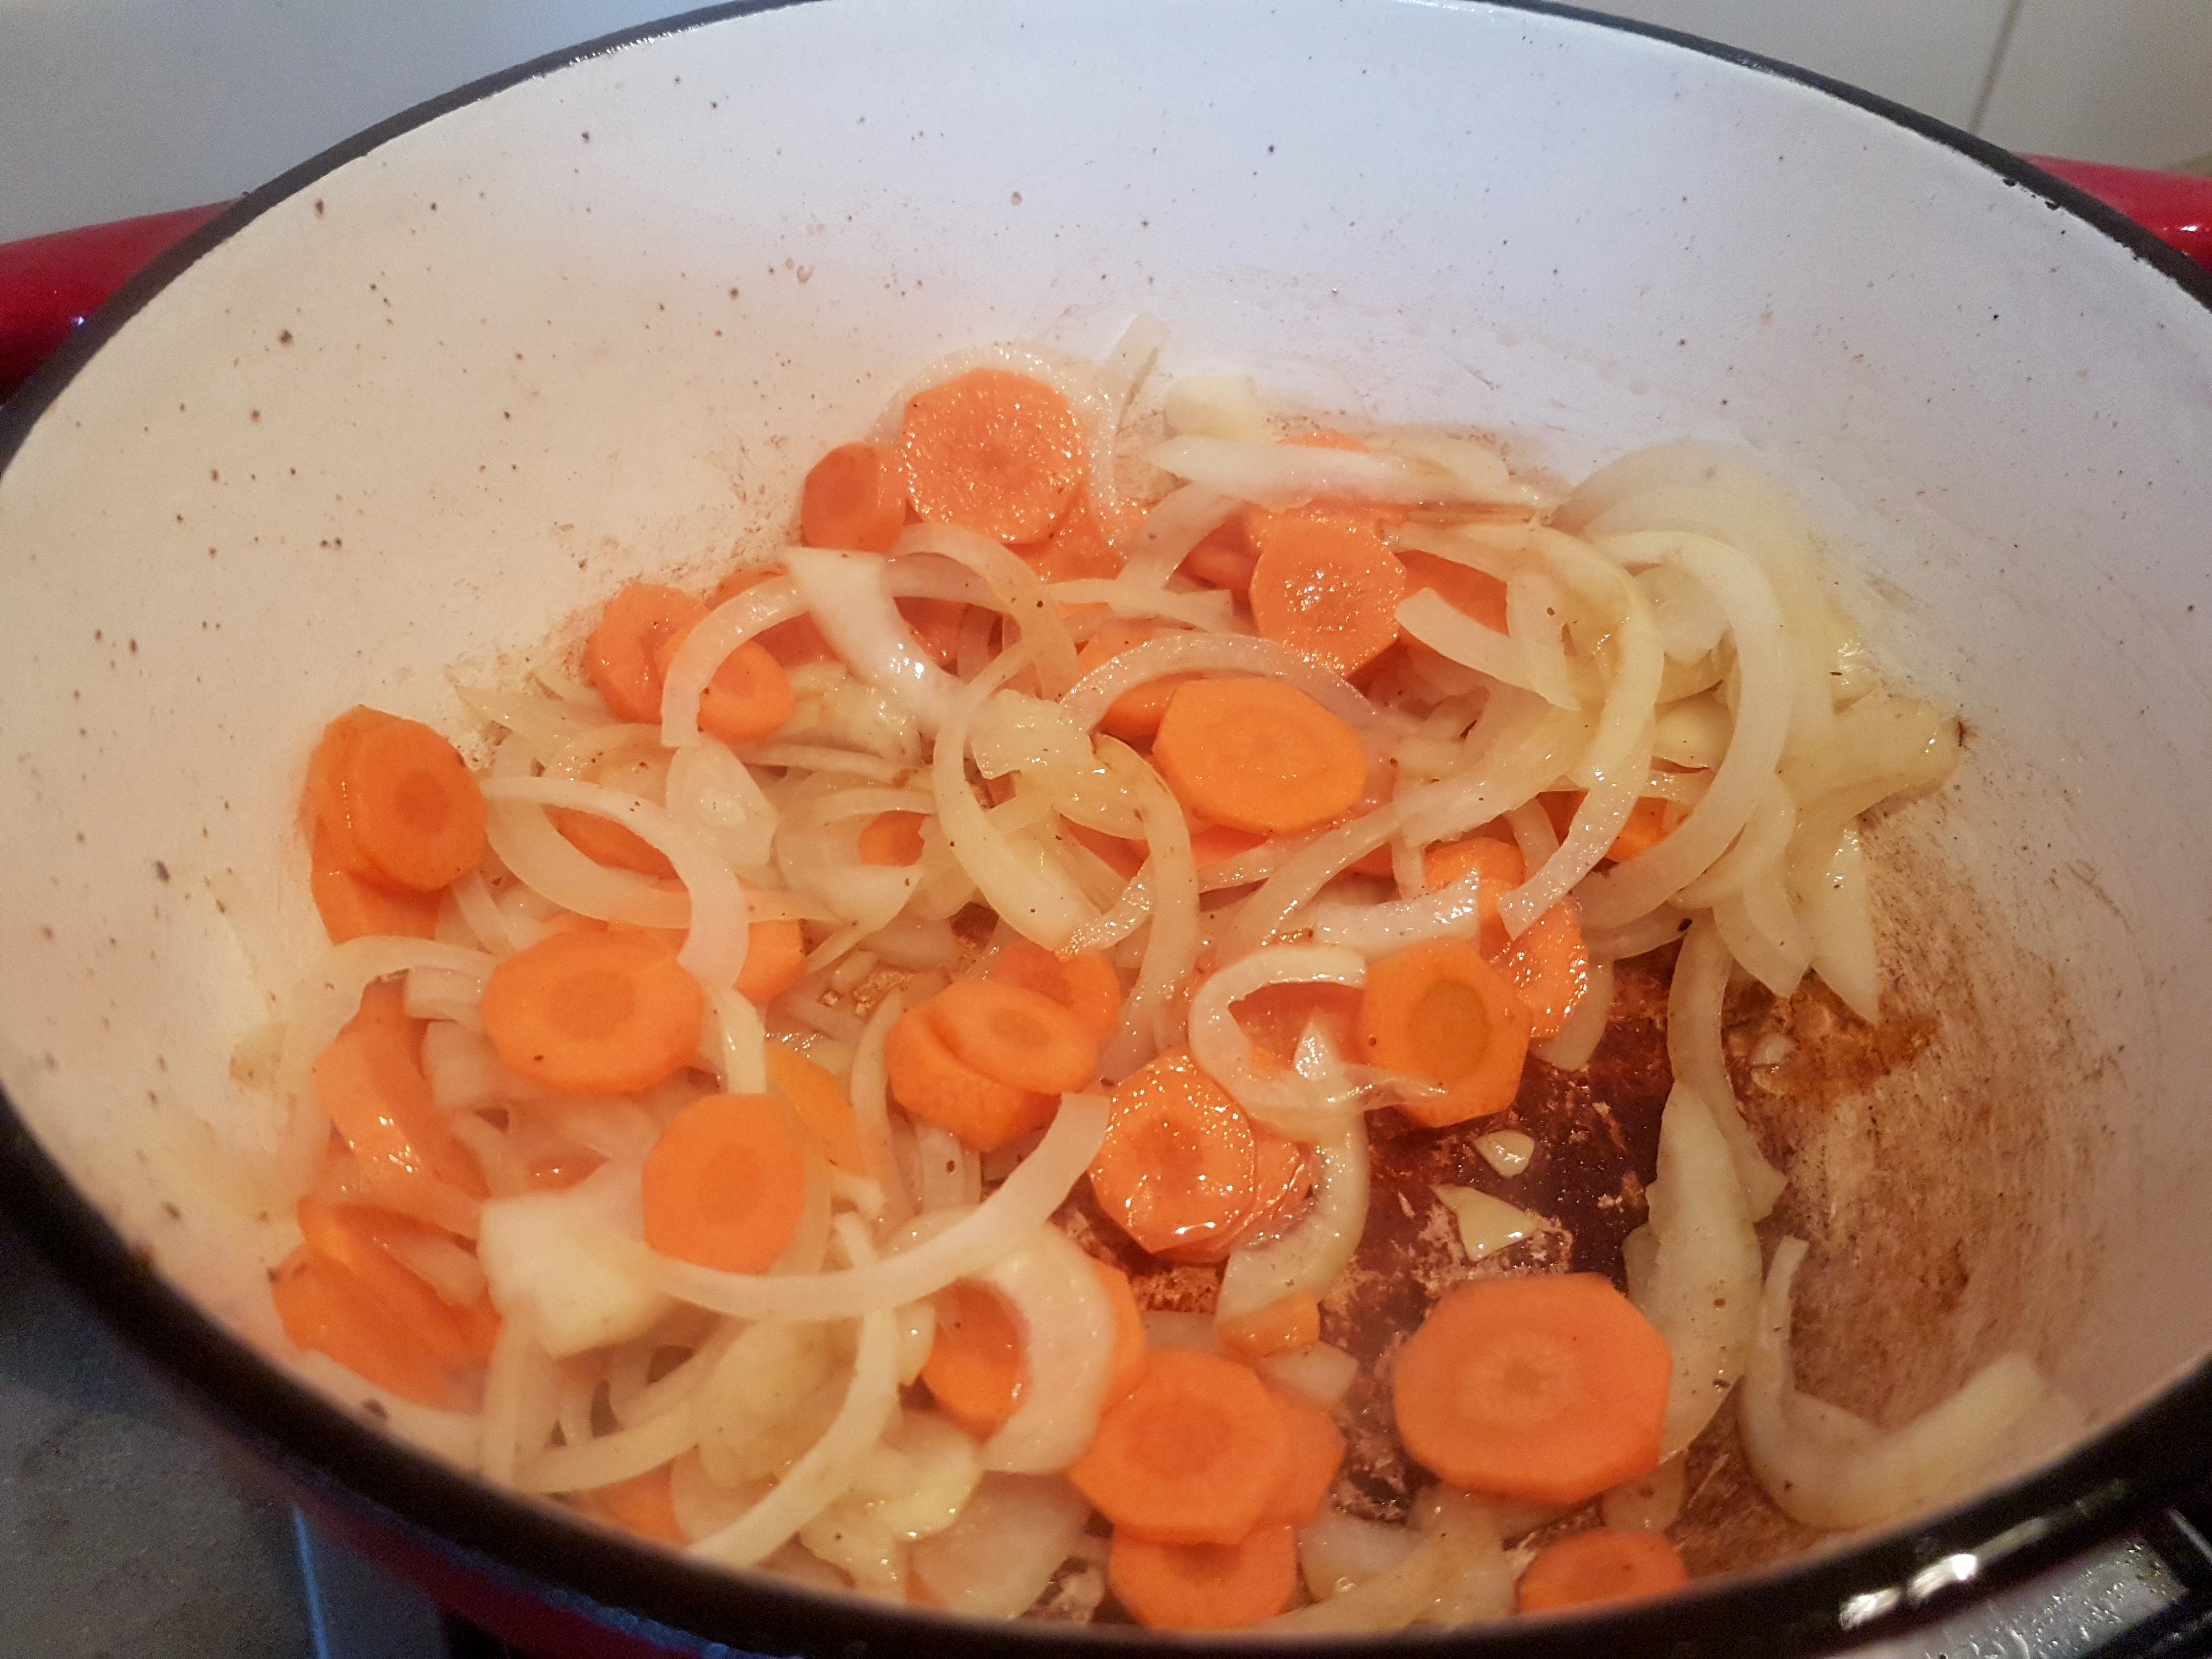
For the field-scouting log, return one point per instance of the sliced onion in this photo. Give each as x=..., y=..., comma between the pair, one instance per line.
x=713, y=950
x=969, y=1244
x=608, y=1458
x=1034, y=897
x=1826, y=1468
x=1477, y=468
x=1067, y=1326
x=1172, y=942
x=1130, y=362
x=1280, y=475
x=1176, y=524
x=1695, y=999
x=1444, y=628
x=1001, y=1553
x=1612, y=897
x=1216, y=407
x=1338, y=1551
x=1702, y=1289
x=827, y=1469
x=1756, y=851
x=1306, y=1260
x=1304, y=873
x=1304, y=1108
x=1456, y=1571
x=1211, y=609
x=519, y=1398
x=1224, y=653
x=1839, y=910
x=1578, y=1038
x=951, y=1174
x=1762, y=931
x=710, y=789
x=736, y=1049
x=1015, y=587
x=852, y=604
x=817, y=850
x=1322, y=1374
x=555, y=875
x=870, y=1097
x=719, y=634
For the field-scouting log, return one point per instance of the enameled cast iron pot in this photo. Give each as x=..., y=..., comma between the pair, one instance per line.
x=420, y=401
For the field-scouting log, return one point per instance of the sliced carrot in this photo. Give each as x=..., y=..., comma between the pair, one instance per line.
x=1135, y=715
x=1287, y=1323
x=935, y=1084
x=1258, y=755
x=1605, y=1563
x=622, y=654
x=1216, y=843
x=1474, y=593
x=359, y=1240
x=1129, y=1349
x=1224, y=558
x=352, y=907
x=725, y=1183
x=1282, y=1178
x=891, y=838
x=791, y=643
x=1548, y=968
x=1315, y=1453
x=370, y=1083
x=975, y=1366
x=603, y=841
x=936, y=624
x=396, y=801
x=593, y=1013
x=1192, y=1455
x=854, y=497
x=818, y=1101
x=1083, y=982
x=749, y=696
x=998, y=453
x=1551, y=1388
x=1324, y=583
x=776, y=959
x=1274, y=1018
x=1203, y=1586
x=644, y=1506
x=1646, y=828
x=1077, y=549
x=323, y=1309
x=1502, y=869
x=1016, y=1035
x=1176, y=1166
x=1438, y=1011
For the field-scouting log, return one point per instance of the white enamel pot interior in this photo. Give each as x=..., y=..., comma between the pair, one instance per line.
x=421, y=402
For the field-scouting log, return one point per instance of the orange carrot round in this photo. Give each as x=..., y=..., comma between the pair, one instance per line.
x=854, y=498
x=1287, y=1323
x=935, y=1084
x=396, y=801
x=327, y=812
x=1016, y=1035
x=323, y=1309
x=998, y=453
x=1223, y=559
x=1438, y=1011
x=749, y=696
x=1258, y=755
x=1603, y=1565
x=1548, y=968
x=370, y=1083
x=1325, y=584
x=1083, y=982
x=1203, y=1586
x=355, y=1238
x=891, y=838
x=818, y=1101
x=594, y=1013
x=603, y=841
x=725, y=1183
x=352, y=907
x=1077, y=549
x=1502, y=869
x=1309, y=1466
x=975, y=1366
x=1175, y=1168
x=622, y=654
x=776, y=959
x=1192, y=1455
x=1135, y=715
x=1216, y=843
x=1552, y=1388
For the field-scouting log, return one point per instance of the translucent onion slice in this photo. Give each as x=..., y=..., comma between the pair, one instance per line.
x=1034, y=896
x=1304, y=873
x=602, y=1461
x=1338, y=1551
x=999, y=1554
x=871, y=1098
x=1322, y=1374
x=1304, y=1108
x=1457, y=1571
x=1288, y=475
x=1216, y=407
x=826, y=1470
x=1435, y=623
x=1067, y=1327
x=1702, y=1289
x=1762, y=931
x=1626, y=892
x=1758, y=850
x=1182, y=520
x=713, y=950
x=1838, y=908
x=735, y=1044
x=1695, y=998
x=969, y=1244
x=1212, y=609
x=555, y=875
x=326, y=998
x=1015, y=586
x=1826, y=1468
x=710, y=789
x=1221, y=654
x=1130, y=362
x=1308, y=1258
x=519, y=1397
x=853, y=607
x=1174, y=936
x=1578, y=1038
x=720, y=633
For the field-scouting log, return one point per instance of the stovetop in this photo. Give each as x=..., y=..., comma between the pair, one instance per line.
x=128, y=1529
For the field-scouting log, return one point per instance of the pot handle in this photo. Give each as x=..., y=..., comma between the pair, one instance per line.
x=50, y=284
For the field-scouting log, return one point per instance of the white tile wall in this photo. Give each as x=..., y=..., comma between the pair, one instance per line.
x=110, y=107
